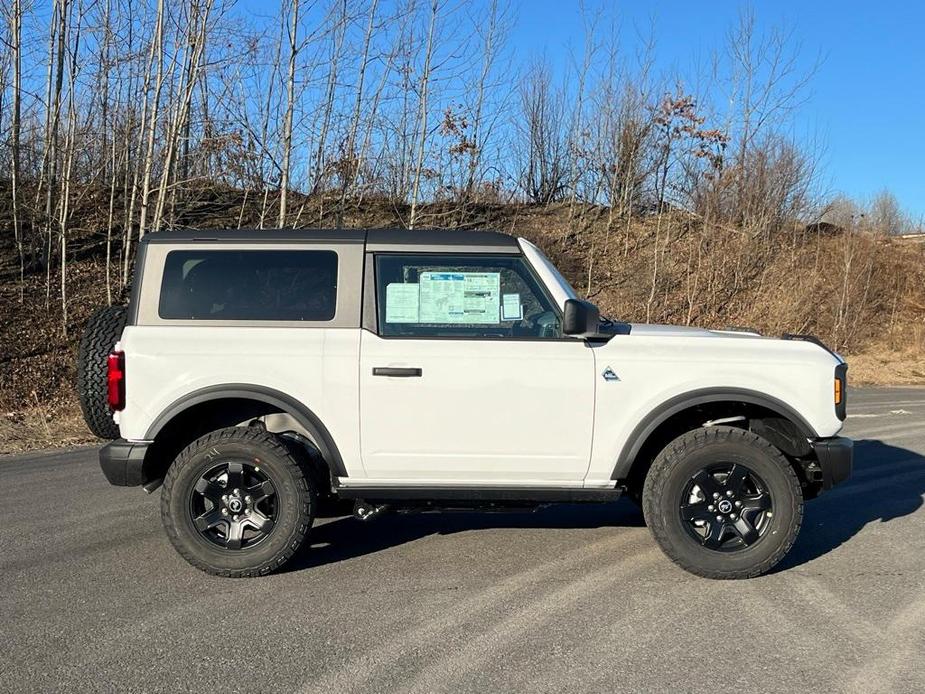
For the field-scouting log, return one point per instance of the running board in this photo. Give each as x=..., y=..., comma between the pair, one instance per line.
x=547, y=495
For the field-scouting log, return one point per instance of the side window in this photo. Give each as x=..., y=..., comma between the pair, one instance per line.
x=462, y=296
x=253, y=285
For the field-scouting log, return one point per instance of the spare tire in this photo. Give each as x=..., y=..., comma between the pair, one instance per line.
x=102, y=332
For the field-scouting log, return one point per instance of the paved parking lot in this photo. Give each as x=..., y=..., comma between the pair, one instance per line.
x=574, y=598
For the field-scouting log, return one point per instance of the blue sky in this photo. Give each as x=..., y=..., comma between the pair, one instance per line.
x=865, y=106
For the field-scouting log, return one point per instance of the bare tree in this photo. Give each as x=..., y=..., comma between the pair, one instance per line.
x=492, y=37
x=15, y=131
x=69, y=151
x=886, y=215
x=292, y=29
x=156, y=55
x=423, y=105
x=338, y=32
x=196, y=41
x=349, y=159
x=56, y=56
x=544, y=170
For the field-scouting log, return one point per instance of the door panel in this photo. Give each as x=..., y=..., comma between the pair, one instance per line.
x=490, y=410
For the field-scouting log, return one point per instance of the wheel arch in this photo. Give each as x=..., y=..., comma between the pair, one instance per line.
x=215, y=407
x=689, y=407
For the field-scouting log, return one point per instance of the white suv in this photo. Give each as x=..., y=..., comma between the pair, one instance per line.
x=262, y=374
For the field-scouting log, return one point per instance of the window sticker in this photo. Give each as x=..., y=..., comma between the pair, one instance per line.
x=511, y=308
x=460, y=297
x=401, y=303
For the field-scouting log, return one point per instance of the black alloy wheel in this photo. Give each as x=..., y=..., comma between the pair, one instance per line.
x=233, y=505
x=726, y=507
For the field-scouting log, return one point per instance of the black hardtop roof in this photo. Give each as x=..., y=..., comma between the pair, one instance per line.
x=378, y=238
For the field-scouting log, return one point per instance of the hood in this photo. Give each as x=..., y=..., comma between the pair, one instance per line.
x=656, y=330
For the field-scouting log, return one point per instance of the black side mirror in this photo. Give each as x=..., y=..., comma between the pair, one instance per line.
x=581, y=318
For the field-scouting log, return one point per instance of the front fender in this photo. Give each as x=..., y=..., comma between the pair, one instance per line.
x=655, y=376
x=649, y=423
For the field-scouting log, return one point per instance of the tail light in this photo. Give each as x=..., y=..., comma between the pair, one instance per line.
x=115, y=379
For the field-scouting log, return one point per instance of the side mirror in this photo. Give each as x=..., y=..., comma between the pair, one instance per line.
x=581, y=318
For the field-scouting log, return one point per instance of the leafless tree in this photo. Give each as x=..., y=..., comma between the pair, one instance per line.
x=544, y=173
x=293, y=40
x=15, y=21
x=423, y=110
x=887, y=216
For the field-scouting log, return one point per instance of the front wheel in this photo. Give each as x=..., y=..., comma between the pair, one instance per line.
x=236, y=503
x=723, y=503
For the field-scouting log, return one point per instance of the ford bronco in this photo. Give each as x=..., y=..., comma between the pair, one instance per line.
x=262, y=375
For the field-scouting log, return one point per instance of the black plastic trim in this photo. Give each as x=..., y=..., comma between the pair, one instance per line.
x=836, y=458
x=808, y=338
x=281, y=401
x=377, y=239
x=370, y=314
x=339, y=236
x=841, y=373
x=398, y=371
x=536, y=494
x=123, y=462
x=703, y=396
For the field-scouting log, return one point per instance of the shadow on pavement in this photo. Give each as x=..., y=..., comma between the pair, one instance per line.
x=888, y=482
x=347, y=538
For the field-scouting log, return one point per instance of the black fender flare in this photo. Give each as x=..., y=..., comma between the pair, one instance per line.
x=703, y=396
x=285, y=403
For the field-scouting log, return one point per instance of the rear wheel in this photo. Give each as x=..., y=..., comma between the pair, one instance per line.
x=236, y=503
x=723, y=503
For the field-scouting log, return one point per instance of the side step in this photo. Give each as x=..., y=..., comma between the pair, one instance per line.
x=542, y=495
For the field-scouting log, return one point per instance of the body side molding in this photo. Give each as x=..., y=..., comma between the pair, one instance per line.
x=244, y=391
x=703, y=396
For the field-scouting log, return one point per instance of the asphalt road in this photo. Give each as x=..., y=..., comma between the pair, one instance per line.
x=576, y=598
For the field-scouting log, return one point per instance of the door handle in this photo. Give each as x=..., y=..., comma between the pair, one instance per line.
x=400, y=372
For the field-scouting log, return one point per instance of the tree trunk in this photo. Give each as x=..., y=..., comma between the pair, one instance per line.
x=290, y=105
x=16, y=38
x=157, y=47
x=422, y=117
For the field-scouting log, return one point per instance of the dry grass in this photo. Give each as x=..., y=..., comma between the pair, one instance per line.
x=39, y=428
x=887, y=367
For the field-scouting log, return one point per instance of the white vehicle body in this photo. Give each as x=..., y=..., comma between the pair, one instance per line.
x=559, y=413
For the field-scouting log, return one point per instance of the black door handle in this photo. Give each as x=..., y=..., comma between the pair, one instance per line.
x=396, y=371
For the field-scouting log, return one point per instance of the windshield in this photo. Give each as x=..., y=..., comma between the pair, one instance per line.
x=549, y=273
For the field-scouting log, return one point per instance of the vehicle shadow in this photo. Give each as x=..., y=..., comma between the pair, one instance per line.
x=347, y=538
x=887, y=483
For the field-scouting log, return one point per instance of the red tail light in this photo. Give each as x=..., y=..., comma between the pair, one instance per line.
x=115, y=378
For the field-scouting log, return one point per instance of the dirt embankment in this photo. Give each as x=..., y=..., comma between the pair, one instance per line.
x=865, y=296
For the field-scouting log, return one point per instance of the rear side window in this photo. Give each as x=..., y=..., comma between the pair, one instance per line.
x=249, y=285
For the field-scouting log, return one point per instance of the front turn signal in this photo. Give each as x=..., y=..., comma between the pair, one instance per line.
x=838, y=391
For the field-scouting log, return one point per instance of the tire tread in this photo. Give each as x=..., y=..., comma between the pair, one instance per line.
x=270, y=443
x=100, y=335
x=676, y=451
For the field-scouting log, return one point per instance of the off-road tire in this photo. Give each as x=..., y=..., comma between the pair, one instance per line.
x=674, y=468
x=102, y=332
x=293, y=486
